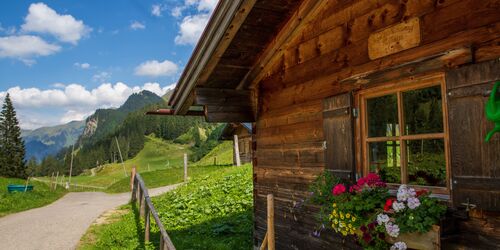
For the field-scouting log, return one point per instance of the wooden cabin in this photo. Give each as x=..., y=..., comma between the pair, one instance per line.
x=243, y=133
x=396, y=87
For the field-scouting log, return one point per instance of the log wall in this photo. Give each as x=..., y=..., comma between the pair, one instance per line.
x=328, y=55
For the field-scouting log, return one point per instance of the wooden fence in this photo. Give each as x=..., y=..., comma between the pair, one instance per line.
x=146, y=208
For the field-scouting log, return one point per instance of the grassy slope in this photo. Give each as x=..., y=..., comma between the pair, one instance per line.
x=213, y=211
x=158, y=154
x=222, y=155
x=16, y=202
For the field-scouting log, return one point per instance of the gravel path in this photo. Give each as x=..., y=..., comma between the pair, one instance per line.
x=61, y=224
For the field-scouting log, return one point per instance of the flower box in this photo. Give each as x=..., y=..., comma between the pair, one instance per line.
x=366, y=211
x=428, y=241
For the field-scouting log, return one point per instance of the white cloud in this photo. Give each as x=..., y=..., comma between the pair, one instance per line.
x=192, y=26
x=25, y=47
x=135, y=25
x=37, y=107
x=42, y=19
x=177, y=11
x=59, y=85
x=191, y=29
x=156, y=10
x=82, y=65
x=102, y=76
x=154, y=68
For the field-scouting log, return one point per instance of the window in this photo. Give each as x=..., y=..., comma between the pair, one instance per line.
x=404, y=133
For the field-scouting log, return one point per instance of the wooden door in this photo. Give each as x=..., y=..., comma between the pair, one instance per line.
x=339, y=135
x=475, y=164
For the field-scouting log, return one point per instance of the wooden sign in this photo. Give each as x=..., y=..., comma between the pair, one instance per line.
x=394, y=39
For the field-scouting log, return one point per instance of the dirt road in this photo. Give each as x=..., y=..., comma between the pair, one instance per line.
x=61, y=224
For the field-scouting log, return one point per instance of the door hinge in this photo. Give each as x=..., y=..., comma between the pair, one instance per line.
x=324, y=145
x=355, y=112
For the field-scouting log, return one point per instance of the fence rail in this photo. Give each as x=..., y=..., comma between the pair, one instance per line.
x=146, y=208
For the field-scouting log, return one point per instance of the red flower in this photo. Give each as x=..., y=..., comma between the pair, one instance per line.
x=338, y=189
x=421, y=192
x=388, y=204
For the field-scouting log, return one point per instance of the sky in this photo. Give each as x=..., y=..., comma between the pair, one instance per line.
x=60, y=60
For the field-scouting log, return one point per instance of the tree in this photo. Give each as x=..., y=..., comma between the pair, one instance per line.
x=12, y=163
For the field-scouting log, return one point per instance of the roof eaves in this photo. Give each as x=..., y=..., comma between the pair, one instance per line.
x=212, y=35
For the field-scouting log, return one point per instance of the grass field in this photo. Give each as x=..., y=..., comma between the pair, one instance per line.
x=160, y=163
x=213, y=211
x=17, y=202
x=220, y=155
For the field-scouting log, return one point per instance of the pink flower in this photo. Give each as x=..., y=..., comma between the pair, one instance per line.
x=338, y=189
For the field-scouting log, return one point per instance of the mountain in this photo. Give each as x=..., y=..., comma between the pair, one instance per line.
x=104, y=121
x=49, y=140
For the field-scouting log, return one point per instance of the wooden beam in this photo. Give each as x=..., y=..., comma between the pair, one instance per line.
x=226, y=40
x=230, y=117
x=215, y=97
x=306, y=11
x=172, y=112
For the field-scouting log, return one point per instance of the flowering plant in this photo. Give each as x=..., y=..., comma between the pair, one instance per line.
x=367, y=212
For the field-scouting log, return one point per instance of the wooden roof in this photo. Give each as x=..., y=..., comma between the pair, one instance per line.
x=230, y=129
x=234, y=39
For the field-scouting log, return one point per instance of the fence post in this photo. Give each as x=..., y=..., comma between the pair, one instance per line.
x=132, y=177
x=57, y=177
x=237, y=151
x=185, y=167
x=270, y=221
x=148, y=223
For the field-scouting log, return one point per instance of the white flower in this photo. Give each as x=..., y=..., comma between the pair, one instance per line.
x=398, y=206
x=404, y=193
x=382, y=219
x=413, y=202
x=399, y=246
x=392, y=229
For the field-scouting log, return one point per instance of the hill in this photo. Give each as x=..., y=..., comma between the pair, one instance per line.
x=105, y=121
x=49, y=140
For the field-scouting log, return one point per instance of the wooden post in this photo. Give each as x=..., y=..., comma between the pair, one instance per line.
x=147, y=226
x=52, y=181
x=121, y=158
x=57, y=177
x=71, y=167
x=132, y=178
x=141, y=201
x=185, y=167
x=270, y=222
x=236, y=151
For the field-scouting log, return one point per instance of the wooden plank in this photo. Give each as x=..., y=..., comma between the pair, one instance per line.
x=216, y=96
x=448, y=59
x=230, y=116
x=394, y=39
x=226, y=40
x=339, y=135
x=473, y=162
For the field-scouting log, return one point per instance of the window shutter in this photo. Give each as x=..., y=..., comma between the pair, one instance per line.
x=475, y=164
x=339, y=135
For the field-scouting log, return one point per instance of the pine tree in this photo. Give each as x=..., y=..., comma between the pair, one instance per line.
x=11, y=145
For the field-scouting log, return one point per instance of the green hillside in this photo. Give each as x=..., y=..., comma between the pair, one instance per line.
x=213, y=211
x=160, y=163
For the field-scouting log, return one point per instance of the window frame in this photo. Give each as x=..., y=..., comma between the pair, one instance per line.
x=398, y=87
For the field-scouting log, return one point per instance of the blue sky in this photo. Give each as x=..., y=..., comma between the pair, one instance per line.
x=60, y=60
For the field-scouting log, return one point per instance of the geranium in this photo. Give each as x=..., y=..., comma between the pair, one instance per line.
x=398, y=206
x=399, y=246
x=404, y=193
x=388, y=204
x=382, y=219
x=371, y=181
x=338, y=189
x=392, y=229
x=413, y=202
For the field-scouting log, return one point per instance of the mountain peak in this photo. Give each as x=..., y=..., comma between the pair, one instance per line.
x=139, y=100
